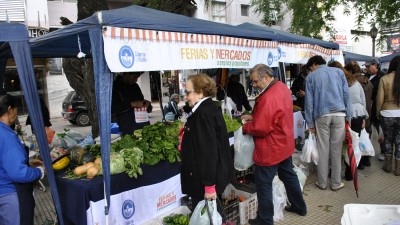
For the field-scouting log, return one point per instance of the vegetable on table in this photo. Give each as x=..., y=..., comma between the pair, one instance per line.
x=80, y=170
x=61, y=164
x=92, y=172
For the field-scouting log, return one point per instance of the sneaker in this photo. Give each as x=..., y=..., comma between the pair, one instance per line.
x=254, y=221
x=338, y=188
x=320, y=187
x=381, y=157
x=290, y=209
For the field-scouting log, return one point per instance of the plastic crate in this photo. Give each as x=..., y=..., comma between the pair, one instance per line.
x=231, y=211
x=247, y=208
x=180, y=210
x=240, y=174
x=246, y=187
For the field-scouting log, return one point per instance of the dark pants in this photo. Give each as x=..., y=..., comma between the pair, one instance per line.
x=391, y=133
x=264, y=176
x=26, y=203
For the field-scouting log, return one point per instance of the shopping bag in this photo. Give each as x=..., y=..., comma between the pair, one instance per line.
x=244, y=148
x=309, y=152
x=227, y=106
x=206, y=213
x=366, y=146
x=300, y=175
x=50, y=134
x=355, y=141
x=279, y=198
x=170, y=116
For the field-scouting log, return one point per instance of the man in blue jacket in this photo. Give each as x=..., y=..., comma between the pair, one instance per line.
x=327, y=106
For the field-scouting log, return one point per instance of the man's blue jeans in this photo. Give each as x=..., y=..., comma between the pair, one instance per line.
x=264, y=176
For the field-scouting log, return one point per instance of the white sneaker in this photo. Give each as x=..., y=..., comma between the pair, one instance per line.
x=381, y=157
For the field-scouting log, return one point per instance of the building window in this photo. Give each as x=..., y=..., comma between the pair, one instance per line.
x=218, y=11
x=245, y=10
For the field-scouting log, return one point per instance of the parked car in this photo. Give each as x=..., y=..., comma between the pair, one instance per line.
x=75, y=110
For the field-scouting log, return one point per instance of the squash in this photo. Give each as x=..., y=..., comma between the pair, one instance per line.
x=92, y=172
x=80, y=170
x=97, y=161
x=61, y=164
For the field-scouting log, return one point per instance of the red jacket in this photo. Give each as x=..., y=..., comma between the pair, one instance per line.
x=272, y=125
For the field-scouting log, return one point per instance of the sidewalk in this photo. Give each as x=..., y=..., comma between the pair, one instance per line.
x=324, y=207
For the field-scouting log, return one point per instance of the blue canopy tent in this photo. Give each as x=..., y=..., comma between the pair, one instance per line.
x=349, y=56
x=388, y=58
x=15, y=37
x=88, y=32
x=284, y=36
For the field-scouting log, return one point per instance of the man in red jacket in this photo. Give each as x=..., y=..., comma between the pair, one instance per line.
x=271, y=126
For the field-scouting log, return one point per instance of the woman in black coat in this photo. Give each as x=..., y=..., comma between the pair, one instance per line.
x=207, y=165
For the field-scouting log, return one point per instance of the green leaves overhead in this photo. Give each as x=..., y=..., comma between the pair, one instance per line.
x=310, y=17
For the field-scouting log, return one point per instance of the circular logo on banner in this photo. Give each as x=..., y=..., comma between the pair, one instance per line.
x=279, y=52
x=126, y=56
x=128, y=209
x=270, y=59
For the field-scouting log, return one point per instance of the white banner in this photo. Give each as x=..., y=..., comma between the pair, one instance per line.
x=300, y=53
x=145, y=50
x=136, y=206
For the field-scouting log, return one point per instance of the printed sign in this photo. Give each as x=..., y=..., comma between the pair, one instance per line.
x=139, y=205
x=141, y=50
x=300, y=53
x=141, y=115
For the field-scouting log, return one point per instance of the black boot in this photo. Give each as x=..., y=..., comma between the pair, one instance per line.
x=347, y=173
x=366, y=161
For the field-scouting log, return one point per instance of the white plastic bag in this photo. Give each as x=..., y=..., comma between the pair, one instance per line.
x=227, y=106
x=309, y=152
x=200, y=215
x=279, y=198
x=366, y=146
x=300, y=175
x=355, y=141
x=244, y=148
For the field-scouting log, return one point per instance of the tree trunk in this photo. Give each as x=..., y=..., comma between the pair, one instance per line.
x=80, y=75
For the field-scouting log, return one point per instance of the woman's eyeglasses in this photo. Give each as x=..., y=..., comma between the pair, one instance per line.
x=188, y=92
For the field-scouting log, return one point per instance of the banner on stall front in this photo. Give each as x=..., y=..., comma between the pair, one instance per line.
x=300, y=53
x=138, y=205
x=143, y=50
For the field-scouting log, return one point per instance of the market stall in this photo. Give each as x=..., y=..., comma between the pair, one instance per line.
x=141, y=39
x=361, y=59
x=156, y=192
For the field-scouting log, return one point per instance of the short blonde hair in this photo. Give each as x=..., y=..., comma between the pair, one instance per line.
x=202, y=83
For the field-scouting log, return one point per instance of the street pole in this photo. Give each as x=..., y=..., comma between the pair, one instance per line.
x=373, y=33
x=373, y=47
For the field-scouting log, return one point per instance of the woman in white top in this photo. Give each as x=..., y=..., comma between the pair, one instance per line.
x=359, y=111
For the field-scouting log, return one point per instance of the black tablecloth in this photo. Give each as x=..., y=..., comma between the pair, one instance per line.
x=76, y=194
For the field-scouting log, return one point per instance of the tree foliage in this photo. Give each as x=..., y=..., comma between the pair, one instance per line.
x=310, y=17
